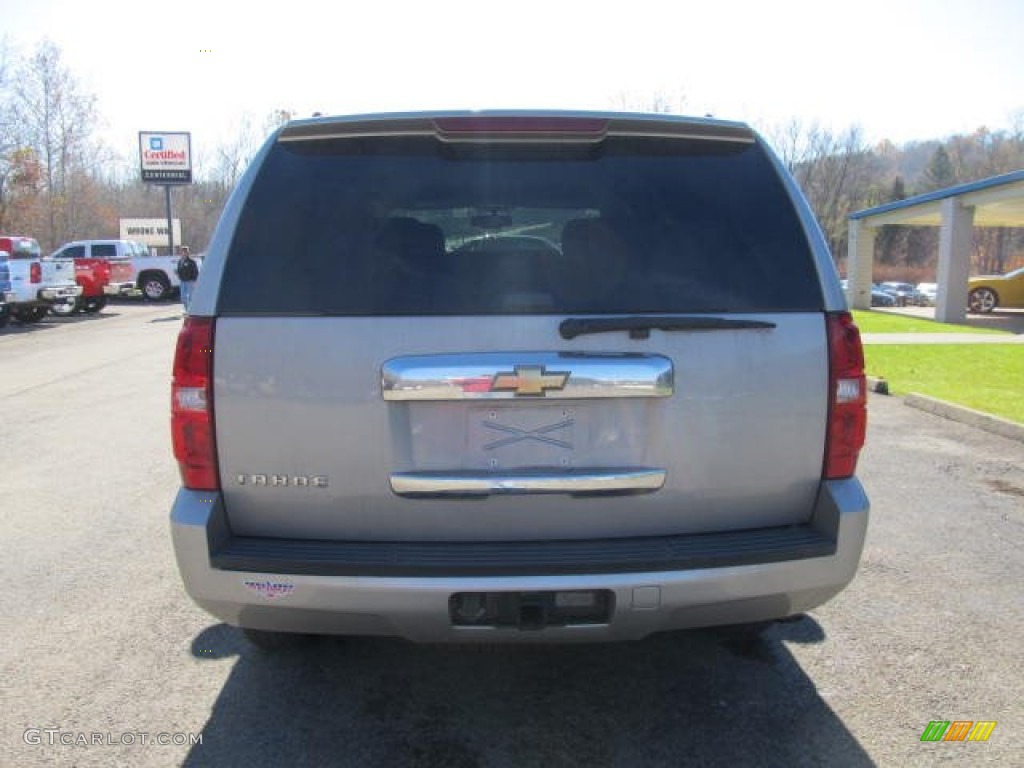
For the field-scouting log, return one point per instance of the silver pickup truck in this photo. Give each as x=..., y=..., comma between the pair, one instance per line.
x=587, y=377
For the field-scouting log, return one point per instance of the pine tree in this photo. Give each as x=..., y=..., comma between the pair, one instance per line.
x=939, y=173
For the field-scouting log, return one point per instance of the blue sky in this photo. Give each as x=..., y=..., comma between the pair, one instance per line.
x=900, y=69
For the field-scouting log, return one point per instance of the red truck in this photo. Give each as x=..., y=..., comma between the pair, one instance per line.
x=102, y=270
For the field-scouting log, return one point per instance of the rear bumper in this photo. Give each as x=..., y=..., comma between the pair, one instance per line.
x=119, y=289
x=697, y=592
x=60, y=293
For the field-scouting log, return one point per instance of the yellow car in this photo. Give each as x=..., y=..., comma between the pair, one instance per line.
x=987, y=292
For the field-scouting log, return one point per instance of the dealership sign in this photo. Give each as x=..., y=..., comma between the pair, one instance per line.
x=149, y=231
x=166, y=158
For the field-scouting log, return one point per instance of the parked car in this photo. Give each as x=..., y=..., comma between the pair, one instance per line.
x=882, y=298
x=36, y=285
x=905, y=293
x=654, y=425
x=929, y=293
x=986, y=292
x=879, y=296
x=102, y=267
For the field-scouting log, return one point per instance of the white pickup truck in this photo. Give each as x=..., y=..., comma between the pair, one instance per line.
x=36, y=285
x=154, y=276
x=6, y=294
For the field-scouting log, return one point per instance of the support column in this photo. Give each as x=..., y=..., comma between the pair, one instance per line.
x=170, y=220
x=860, y=263
x=954, y=261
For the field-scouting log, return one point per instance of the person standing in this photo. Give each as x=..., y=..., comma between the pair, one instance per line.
x=188, y=272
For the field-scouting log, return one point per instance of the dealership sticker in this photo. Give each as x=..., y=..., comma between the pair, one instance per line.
x=269, y=590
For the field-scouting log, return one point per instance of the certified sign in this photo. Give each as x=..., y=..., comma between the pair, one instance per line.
x=166, y=158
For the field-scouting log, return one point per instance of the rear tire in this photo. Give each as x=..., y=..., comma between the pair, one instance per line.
x=982, y=300
x=30, y=315
x=95, y=304
x=154, y=286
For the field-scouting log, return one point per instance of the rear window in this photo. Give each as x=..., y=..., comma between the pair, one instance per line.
x=412, y=226
x=71, y=252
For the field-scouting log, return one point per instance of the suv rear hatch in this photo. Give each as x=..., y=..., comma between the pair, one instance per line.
x=473, y=329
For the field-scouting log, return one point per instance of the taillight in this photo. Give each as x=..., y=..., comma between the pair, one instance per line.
x=35, y=272
x=192, y=406
x=518, y=128
x=848, y=405
x=520, y=124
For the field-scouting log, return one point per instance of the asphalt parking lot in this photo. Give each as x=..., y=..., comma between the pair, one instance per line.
x=100, y=640
x=1009, y=320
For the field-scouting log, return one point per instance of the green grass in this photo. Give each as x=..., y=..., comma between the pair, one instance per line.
x=985, y=377
x=885, y=322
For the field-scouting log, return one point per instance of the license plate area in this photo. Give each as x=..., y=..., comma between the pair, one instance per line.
x=519, y=436
x=523, y=436
x=531, y=610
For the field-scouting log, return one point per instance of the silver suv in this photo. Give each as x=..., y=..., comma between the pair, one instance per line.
x=516, y=376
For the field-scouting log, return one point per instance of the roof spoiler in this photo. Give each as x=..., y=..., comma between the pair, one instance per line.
x=516, y=127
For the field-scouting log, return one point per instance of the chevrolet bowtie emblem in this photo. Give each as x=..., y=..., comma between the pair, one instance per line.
x=529, y=381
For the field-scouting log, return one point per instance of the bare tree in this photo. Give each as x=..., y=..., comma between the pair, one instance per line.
x=831, y=168
x=657, y=101
x=9, y=143
x=277, y=118
x=793, y=142
x=56, y=119
x=234, y=156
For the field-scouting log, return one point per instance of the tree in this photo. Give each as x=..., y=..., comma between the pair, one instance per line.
x=276, y=118
x=233, y=157
x=55, y=119
x=831, y=168
x=657, y=101
x=939, y=173
x=891, y=243
x=11, y=157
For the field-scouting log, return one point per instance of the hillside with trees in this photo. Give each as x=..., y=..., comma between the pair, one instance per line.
x=58, y=182
x=841, y=174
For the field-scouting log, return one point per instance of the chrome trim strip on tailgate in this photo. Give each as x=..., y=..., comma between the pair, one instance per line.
x=618, y=480
x=517, y=375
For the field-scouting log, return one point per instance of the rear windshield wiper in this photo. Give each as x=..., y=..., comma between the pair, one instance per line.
x=640, y=327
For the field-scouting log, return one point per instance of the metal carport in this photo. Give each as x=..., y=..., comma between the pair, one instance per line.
x=994, y=202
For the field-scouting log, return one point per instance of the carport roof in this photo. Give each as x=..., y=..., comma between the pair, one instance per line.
x=997, y=201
